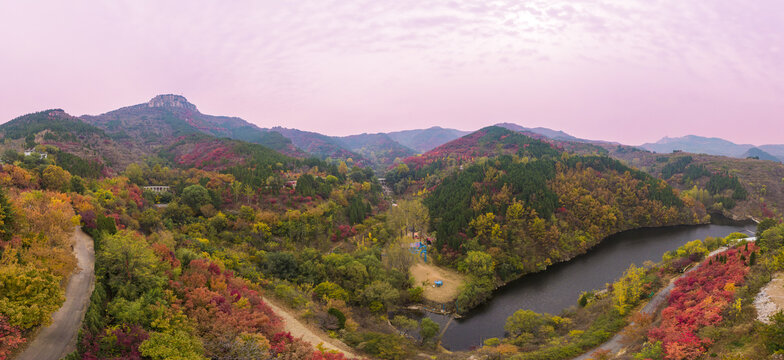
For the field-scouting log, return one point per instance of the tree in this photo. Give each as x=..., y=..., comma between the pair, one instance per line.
x=478, y=263
x=150, y=221
x=77, y=184
x=172, y=345
x=628, y=290
x=380, y=292
x=10, y=338
x=135, y=173
x=28, y=297
x=7, y=217
x=428, y=329
x=524, y=321
x=774, y=333
x=129, y=266
x=330, y=290
x=56, y=178
x=196, y=196
x=404, y=324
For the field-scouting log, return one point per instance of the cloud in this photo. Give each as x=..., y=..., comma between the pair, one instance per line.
x=346, y=66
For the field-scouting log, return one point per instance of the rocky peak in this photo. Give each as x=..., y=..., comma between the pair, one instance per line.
x=172, y=101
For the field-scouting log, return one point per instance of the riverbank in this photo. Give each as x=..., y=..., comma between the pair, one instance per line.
x=616, y=344
x=558, y=288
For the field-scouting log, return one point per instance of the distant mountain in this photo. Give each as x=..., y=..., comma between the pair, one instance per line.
x=775, y=150
x=167, y=117
x=380, y=149
x=423, y=140
x=82, y=149
x=698, y=145
x=320, y=145
x=715, y=146
x=548, y=133
x=758, y=153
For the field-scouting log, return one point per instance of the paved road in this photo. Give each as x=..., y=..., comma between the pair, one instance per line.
x=59, y=338
x=614, y=345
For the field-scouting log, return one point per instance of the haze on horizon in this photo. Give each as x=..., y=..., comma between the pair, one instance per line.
x=627, y=71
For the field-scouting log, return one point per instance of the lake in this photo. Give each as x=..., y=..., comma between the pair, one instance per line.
x=558, y=287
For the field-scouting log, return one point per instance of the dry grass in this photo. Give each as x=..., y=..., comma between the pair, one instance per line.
x=428, y=274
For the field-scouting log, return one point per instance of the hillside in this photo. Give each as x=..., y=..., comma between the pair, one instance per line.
x=489, y=141
x=423, y=140
x=379, y=149
x=321, y=146
x=167, y=117
x=76, y=146
x=762, y=181
x=526, y=204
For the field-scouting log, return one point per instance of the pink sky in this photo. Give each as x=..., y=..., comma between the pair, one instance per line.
x=628, y=71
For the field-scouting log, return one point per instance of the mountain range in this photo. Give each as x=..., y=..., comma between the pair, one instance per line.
x=118, y=137
x=716, y=146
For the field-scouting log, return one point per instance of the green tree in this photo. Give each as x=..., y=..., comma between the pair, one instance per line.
x=330, y=290
x=129, y=266
x=28, y=297
x=380, y=292
x=150, y=221
x=135, y=173
x=77, y=184
x=196, y=196
x=774, y=333
x=428, y=329
x=478, y=263
x=55, y=178
x=524, y=321
x=172, y=345
x=7, y=217
x=404, y=324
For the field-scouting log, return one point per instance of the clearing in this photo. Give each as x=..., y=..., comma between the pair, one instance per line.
x=428, y=274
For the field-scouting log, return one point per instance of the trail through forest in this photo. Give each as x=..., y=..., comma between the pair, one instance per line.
x=59, y=338
x=298, y=329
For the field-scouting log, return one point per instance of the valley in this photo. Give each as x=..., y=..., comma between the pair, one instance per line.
x=216, y=238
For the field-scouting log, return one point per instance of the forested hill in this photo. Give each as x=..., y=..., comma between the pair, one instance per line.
x=489, y=141
x=80, y=148
x=738, y=188
x=167, y=117
x=499, y=197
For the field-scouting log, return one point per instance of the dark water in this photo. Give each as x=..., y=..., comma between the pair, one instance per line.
x=558, y=287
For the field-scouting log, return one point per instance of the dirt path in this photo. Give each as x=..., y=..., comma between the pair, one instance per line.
x=59, y=338
x=298, y=329
x=770, y=299
x=614, y=345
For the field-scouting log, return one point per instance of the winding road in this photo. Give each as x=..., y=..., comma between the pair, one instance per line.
x=59, y=338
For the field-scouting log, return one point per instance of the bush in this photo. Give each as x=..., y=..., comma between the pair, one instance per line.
x=341, y=318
